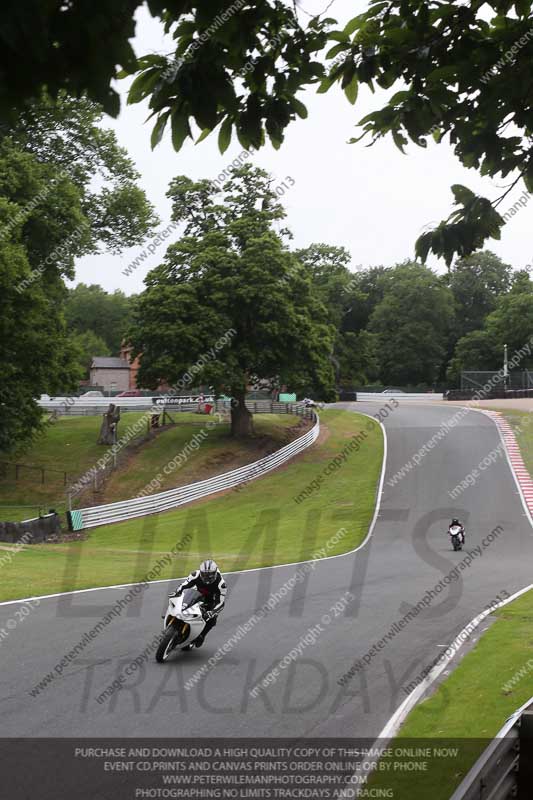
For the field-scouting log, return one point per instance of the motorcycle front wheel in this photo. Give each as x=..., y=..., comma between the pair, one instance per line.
x=172, y=637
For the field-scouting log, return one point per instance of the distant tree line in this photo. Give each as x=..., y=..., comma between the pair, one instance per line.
x=406, y=325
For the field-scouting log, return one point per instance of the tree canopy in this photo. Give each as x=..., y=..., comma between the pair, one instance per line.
x=461, y=69
x=231, y=279
x=107, y=315
x=50, y=214
x=36, y=355
x=66, y=133
x=476, y=282
x=412, y=323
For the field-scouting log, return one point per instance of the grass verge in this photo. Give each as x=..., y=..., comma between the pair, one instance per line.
x=65, y=445
x=69, y=445
x=259, y=525
x=492, y=681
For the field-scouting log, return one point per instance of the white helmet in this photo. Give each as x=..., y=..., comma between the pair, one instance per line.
x=208, y=570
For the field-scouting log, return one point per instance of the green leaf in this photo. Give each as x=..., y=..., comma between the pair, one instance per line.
x=299, y=107
x=158, y=129
x=351, y=90
x=224, y=135
x=324, y=85
x=339, y=36
x=354, y=24
x=523, y=8
x=446, y=74
x=376, y=7
x=399, y=140
x=143, y=85
x=338, y=48
x=180, y=129
x=204, y=134
x=184, y=28
x=399, y=97
x=423, y=245
x=462, y=194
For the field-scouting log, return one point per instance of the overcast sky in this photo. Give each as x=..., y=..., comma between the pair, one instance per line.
x=372, y=200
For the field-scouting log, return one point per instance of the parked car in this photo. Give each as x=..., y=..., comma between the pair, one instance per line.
x=130, y=393
x=93, y=393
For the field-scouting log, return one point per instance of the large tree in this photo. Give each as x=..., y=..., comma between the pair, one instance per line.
x=67, y=134
x=462, y=70
x=412, y=323
x=231, y=304
x=37, y=248
x=510, y=323
x=477, y=351
x=51, y=212
x=476, y=282
x=354, y=355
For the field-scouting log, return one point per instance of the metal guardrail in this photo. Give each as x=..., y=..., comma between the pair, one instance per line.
x=505, y=769
x=382, y=397
x=82, y=406
x=164, y=501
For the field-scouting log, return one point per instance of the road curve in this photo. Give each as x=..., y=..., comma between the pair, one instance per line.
x=407, y=555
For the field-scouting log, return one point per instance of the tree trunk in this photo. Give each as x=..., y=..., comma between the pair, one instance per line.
x=242, y=425
x=110, y=420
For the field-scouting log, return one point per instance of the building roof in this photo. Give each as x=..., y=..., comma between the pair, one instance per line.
x=104, y=362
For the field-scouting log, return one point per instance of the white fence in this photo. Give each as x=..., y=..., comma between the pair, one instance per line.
x=382, y=397
x=164, y=501
x=80, y=406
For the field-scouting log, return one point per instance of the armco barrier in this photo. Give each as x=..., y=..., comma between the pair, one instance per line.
x=164, y=501
x=505, y=769
x=495, y=394
x=81, y=406
x=382, y=397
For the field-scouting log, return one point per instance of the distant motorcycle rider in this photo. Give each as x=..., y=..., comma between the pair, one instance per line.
x=209, y=582
x=461, y=533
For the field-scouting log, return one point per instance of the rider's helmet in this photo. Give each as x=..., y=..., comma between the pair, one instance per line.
x=455, y=522
x=208, y=570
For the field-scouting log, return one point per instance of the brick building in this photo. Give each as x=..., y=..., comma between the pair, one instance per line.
x=112, y=374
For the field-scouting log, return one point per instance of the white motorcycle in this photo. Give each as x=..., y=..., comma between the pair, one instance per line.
x=184, y=622
x=456, y=536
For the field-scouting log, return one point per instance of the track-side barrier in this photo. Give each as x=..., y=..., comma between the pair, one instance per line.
x=382, y=397
x=505, y=769
x=91, y=517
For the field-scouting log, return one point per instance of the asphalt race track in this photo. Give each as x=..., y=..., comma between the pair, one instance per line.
x=407, y=555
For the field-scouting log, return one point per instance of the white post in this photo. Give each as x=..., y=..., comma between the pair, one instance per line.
x=505, y=367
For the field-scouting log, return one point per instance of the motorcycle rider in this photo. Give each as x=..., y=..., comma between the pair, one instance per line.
x=209, y=582
x=461, y=526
